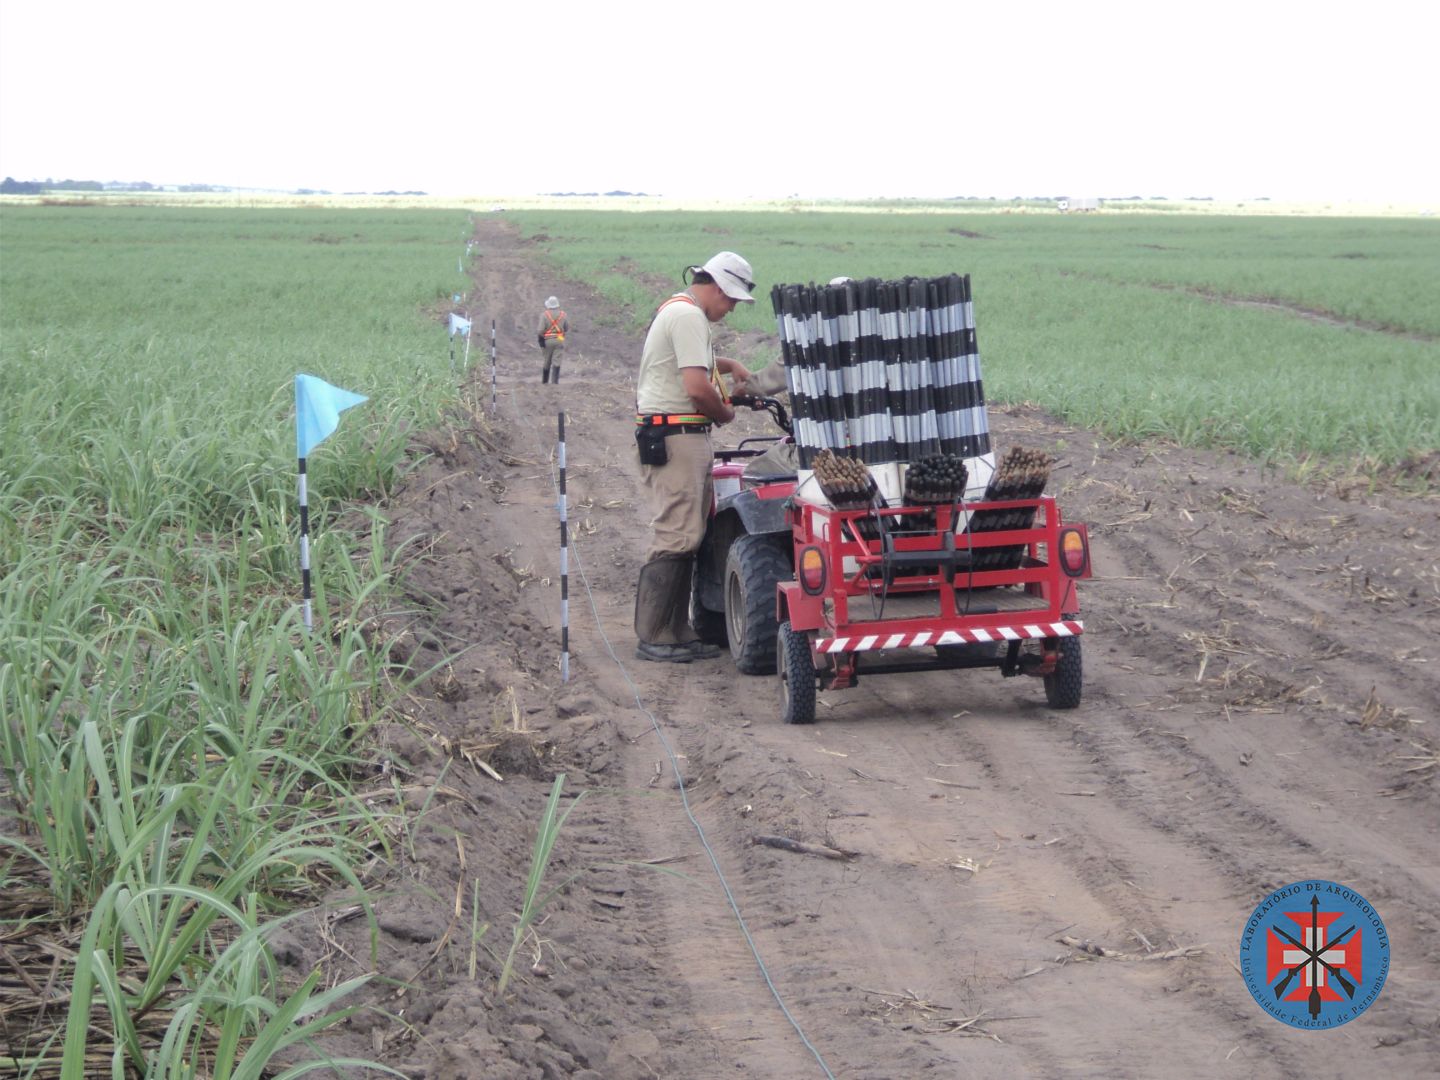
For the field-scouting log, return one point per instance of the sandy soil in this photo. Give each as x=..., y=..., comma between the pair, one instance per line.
x=1262, y=674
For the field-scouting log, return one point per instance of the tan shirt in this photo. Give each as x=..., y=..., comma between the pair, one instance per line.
x=559, y=319
x=678, y=338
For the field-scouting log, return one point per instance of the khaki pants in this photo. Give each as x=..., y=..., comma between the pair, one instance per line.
x=679, y=493
x=553, y=349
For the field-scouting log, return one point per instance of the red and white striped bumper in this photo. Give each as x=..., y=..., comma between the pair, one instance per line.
x=1018, y=632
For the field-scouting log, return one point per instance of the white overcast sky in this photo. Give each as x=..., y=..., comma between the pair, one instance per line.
x=733, y=99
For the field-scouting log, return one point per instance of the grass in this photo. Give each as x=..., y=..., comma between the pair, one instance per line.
x=533, y=902
x=1130, y=323
x=176, y=753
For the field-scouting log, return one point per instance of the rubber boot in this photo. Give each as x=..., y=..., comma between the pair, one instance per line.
x=557, y=373
x=654, y=610
x=545, y=378
x=680, y=628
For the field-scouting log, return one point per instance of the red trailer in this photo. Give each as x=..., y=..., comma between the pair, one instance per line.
x=823, y=595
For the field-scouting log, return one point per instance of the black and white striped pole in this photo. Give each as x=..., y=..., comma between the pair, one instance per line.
x=492, y=365
x=564, y=565
x=305, y=550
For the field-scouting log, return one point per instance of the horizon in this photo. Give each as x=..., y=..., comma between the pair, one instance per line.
x=49, y=183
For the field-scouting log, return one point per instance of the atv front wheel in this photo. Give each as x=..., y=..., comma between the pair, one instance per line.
x=753, y=568
x=797, y=676
x=1062, y=687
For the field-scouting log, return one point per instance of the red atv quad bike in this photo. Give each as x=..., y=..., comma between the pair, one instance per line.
x=821, y=595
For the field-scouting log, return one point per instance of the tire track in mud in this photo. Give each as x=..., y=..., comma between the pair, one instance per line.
x=1120, y=855
x=994, y=926
x=717, y=1007
x=1269, y=619
x=973, y=859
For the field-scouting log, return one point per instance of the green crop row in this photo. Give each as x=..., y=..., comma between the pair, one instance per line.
x=175, y=750
x=1139, y=325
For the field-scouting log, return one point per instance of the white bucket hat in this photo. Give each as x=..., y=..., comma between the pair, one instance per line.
x=552, y=303
x=732, y=274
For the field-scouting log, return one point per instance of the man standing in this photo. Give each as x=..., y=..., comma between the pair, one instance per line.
x=553, y=327
x=678, y=396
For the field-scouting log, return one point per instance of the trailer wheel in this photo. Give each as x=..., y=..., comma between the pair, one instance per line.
x=797, y=676
x=753, y=568
x=1062, y=688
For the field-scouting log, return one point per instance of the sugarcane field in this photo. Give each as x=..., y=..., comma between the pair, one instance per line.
x=355, y=768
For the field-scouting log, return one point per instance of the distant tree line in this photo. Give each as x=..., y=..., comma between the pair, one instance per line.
x=596, y=194
x=11, y=186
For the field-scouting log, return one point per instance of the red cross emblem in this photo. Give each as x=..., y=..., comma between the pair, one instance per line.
x=1311, y=958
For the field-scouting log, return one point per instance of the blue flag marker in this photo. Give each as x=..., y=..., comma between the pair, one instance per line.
x=459, y=325
x=318, y=406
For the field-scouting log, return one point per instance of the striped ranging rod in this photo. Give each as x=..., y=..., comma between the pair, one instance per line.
x=564, y=564
x=883, y=371
x=305, y=595
x=492, y=365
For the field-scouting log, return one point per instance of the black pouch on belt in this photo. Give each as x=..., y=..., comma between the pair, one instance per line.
x=651, y=441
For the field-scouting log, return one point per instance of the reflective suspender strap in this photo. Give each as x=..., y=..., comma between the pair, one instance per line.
x=714, y=370
x=644, y=419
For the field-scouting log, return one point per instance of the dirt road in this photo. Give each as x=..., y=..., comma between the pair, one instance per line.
x=1262, y=675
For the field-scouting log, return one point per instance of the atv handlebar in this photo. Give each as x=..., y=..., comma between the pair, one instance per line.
x=769, y=404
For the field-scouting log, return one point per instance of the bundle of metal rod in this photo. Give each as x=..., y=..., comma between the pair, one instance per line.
x=939, y=478
x=1021, y=474
x=846, y=482
x=883, y=371
x=848, y=485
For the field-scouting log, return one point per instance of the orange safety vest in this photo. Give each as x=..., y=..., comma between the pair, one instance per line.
x=554, y=330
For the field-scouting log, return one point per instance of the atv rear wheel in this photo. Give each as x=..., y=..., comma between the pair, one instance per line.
x=754, y=566
x=797, y=676
x=1062, y=687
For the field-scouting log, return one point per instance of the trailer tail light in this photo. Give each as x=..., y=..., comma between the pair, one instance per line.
x=812, y=570
x=1074, y=552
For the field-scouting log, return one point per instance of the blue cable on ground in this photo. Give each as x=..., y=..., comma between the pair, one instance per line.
x=679, y=780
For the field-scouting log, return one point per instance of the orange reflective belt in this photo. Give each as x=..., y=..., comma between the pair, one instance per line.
x=555, y=330
x=668, y=419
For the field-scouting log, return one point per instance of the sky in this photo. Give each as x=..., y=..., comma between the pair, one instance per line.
x=1288, y=101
